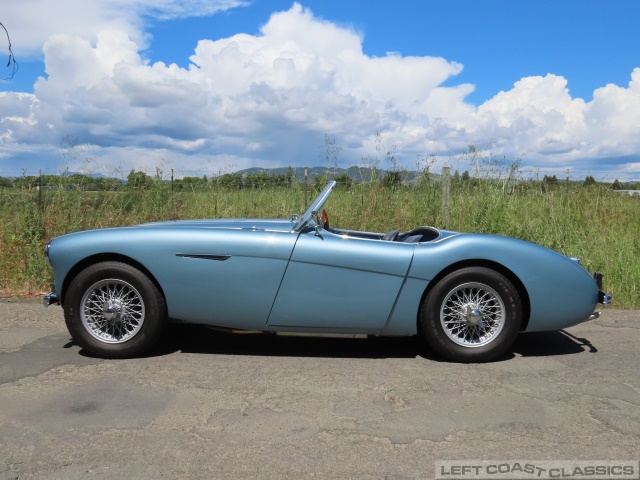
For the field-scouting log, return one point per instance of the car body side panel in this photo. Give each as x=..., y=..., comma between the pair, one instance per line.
x=338, y=282
x=238, y=292
x=232, y=281
x=561, y=292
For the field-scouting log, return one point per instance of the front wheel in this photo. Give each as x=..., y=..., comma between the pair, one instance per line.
x=114, y=310
x=472, y=315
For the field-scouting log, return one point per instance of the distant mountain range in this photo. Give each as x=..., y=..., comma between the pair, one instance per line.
x=91, y=175
x=359, y=174
x=68, y=174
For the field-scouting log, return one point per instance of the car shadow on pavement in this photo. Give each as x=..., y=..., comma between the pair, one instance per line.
x=202, y=340
x=550, y=344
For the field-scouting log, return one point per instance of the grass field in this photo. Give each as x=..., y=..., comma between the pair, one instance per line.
x=594, y=223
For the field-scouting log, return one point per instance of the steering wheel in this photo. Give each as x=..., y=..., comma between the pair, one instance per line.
x=325, y=219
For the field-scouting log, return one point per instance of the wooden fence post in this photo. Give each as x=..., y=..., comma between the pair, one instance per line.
x=446, y=193
x=306, y=186
x=40, y=193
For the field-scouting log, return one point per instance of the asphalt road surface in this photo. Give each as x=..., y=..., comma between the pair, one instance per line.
x=206, y=404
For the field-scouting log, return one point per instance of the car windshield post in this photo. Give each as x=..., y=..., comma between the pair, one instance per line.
x=314, y=207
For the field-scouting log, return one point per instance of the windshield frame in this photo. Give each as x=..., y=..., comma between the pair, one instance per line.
x=315, y=206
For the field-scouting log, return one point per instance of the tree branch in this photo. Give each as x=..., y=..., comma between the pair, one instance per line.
x=12, y=64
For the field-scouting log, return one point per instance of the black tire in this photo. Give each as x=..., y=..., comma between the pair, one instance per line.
x=124, y=325
x=472, y=315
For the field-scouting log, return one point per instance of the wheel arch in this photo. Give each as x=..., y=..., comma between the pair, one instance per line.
x=512, y=277
x=105, y=257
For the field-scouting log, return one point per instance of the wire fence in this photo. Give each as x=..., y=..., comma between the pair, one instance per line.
x=159, y=197
x=357, y=173
x=178, y=181
x=567, y=216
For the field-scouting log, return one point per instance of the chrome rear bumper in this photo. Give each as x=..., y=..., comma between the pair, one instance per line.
x=603, y=298
x=594, y=316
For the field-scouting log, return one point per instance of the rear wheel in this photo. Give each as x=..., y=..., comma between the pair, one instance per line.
x=472, y=315
x=114, y=310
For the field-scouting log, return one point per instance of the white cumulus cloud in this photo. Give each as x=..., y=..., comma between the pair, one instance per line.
x=539, y=116
x=269, y=99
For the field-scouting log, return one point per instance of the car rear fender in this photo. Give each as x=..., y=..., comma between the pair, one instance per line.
x=556, y=290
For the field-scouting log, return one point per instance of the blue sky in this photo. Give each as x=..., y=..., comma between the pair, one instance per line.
x=591, y=43
x=516, y=78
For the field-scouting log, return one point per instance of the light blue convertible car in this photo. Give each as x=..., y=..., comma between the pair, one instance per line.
x=467, y=295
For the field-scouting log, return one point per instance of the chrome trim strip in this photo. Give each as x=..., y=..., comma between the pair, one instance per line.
x=204, y=256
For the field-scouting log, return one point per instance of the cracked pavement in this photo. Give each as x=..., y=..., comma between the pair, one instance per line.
x=206, y=404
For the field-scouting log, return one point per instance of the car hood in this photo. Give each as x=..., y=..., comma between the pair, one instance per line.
x=273, y=224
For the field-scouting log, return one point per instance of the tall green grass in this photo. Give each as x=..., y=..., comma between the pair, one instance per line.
x=597, y=224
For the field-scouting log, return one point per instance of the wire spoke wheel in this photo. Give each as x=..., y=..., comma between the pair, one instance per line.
x=472, y=314
x=112, y=311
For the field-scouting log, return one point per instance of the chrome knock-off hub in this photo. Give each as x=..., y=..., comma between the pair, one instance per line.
x=472, y=315
x=114, y=311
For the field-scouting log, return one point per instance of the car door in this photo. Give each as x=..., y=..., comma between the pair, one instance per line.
x=340, y=283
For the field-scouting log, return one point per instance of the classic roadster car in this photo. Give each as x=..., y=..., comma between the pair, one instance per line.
x=467, y=295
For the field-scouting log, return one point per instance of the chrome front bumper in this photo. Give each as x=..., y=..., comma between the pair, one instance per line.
x=51, y=298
